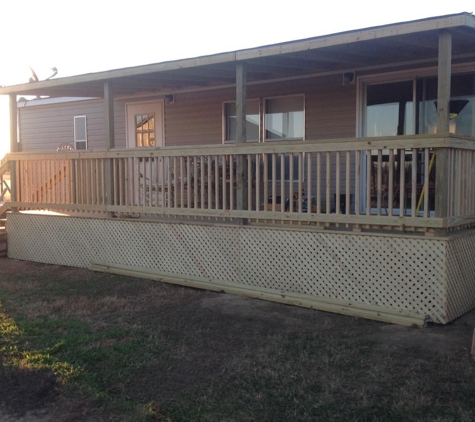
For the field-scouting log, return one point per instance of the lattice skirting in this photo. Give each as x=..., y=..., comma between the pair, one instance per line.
x=406, y=276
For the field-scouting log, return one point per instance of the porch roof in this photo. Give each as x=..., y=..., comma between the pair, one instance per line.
x=399, y=44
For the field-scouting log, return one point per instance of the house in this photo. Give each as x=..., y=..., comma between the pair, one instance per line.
x=336, y=172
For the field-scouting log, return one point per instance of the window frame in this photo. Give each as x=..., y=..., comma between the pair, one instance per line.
x=264, y=104
x=224, y=120
x=76, y=140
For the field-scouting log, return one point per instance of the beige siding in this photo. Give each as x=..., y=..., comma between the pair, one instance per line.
x=45, y=127
x=194, y=118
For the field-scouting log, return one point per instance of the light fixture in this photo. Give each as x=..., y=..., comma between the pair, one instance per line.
x=349, y=78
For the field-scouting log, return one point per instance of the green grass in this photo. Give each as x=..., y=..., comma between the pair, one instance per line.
x=124, y=349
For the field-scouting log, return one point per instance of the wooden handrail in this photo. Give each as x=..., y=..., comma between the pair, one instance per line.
x=347, y=144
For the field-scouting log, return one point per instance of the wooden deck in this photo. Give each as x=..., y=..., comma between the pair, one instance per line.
x=354, y=226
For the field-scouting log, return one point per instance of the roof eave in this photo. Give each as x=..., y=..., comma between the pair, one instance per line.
x=430, y=24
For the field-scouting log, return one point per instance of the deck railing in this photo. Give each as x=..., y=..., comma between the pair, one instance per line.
x=389, y=183
x=5, y=184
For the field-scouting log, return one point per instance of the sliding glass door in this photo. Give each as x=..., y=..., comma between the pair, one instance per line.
x=407, y=108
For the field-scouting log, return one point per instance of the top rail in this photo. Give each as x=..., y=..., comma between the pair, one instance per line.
x=346, y=144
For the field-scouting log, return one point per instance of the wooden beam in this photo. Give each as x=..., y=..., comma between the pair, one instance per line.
x=109, y=115
x=13, y=123
x=241, y=136
x=443, y=85
x=109, y=140
x=443, y=113
x=13, y=146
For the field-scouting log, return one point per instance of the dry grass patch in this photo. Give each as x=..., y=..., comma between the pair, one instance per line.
x=144, y=351
x=78, y=306
x=16, y=286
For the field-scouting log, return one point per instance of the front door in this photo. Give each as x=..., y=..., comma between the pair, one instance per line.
x=145, y=130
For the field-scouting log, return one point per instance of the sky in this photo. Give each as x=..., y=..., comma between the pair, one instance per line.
x=90, y=36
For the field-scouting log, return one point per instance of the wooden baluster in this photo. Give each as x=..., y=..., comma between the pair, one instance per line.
x=357, y=182
x=266, y=182
x=390, y=182
x=274, y=184
x=249, y=182
x=182, y=182
x=195, y=182
x=319, y=182
x=379, y=187
x=402, y=182
x=309, y=182
x=347, y=184
x=169, y=183
x=202, y=182
x=231, y=183
x=426, y=182
x=300, y=182
x=368, y=182
x=337, y=182
x=414, y=183
x=223, y=170
x=188, y=182
x=291, y=182
x=282, y=185
x=328, y=183
x=258, y=184
x=216, y=182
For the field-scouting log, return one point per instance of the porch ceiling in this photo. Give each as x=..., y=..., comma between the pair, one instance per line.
x=389, y=46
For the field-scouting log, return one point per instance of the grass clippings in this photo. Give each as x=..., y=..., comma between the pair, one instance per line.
x=84, y=346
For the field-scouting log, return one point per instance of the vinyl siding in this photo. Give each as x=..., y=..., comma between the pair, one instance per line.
x=194, y=118
x=45, y=127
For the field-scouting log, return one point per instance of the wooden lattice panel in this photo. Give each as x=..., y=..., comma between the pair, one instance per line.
x=401, y=274
x=461, y=275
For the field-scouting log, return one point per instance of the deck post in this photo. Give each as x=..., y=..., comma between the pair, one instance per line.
x=241, y=136
x=110, y=139
x=443, y=115
x=109, y=115
x=13, y=146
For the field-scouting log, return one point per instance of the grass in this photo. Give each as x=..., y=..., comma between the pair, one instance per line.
x=95, y=347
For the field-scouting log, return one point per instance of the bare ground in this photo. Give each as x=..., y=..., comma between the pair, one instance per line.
x=224, y=357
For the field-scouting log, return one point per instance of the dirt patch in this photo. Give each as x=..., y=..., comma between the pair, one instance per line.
x=26, y=394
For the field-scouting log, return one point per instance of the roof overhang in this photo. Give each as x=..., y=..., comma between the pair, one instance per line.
x=389, y=45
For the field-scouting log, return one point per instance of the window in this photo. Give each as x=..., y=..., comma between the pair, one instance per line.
x=390, y=107
x=252, y=121
x=284, y=118
x=145, y=130
x=80, y=132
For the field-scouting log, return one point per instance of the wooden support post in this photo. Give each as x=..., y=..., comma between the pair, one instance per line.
x=13, y=147
x=110, y=140
x=473, y=345
x=241, y=136
x=109, y=115
x=443, y=114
